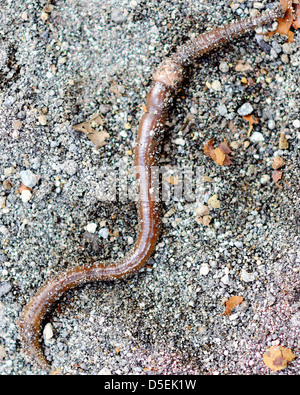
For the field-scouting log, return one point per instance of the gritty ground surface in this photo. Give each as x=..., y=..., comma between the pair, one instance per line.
x=84, y=57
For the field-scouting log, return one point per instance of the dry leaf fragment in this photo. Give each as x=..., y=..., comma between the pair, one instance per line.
x=252, y=120
x=296, y=23
x=220, y=155
x=277, y=357
x=290, y=19
x=87, y=127
x=23, y=187
x=232, y=302
x=208, y=147
x=277, y=175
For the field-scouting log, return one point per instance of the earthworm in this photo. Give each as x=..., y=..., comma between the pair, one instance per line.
x=166, y=81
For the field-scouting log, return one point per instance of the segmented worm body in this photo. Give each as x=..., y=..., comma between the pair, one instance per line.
x=166, y=82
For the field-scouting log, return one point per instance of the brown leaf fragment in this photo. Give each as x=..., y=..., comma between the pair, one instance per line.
x=277, y=357
x=252, y=120
x=224, y=147
x=232, y=302
x=227, y=161
x=209, y=147
x=288, y=21
x=87, y=127
x=220, y=155
x=277, y=175
x=23, y=187
x=296, y=23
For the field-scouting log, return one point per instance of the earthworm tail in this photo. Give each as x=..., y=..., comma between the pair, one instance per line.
x=204, y=43
x=165, y=82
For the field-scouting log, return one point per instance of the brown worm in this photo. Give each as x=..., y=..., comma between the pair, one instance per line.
x=165, y=84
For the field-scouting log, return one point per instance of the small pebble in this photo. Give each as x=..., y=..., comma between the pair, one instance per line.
x=258, y=5
x=214, y=202
x=204, y=269
x=2, y=201
x=17, y=124
x=224, y=67
x=202, y=210
x=91, y=227
x=216, y=85
x=278, y=162
x=222, y=110
x=44, y=16
x=104, y=372
x=283, y=142
x=245, y=109
x=9, y=101
x=206, y=219
x=42, y=119
x=47, y=332
x=265, y=178
x=225, y=279
x=246, y=276
x=118, y=16
x=104, y=232
x=2, y=353
x=24, y=16
x=26, y=195
x=179, y=141
x=70, y=167
x=5, y=287
x=28, y=178
x=257, y=137
x=271, y=124
x=296, y=123
x=287, y=48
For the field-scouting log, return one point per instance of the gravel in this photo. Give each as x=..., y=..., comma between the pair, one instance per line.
x=61, y=65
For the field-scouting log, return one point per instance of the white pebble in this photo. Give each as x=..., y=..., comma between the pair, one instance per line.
x=225, y=279
x=271, y=124
x=257, y=137
x=216, y=85
x=104, y=232
x=47, y=332
x=28, y=178
x=245, y=109
x=70, y=167
x=296, y=123
x=26, y=195
x=91, y=227
x=204, y=269
x=224, y=67
x=265, y=178
x=246, y=276
x=104, y=372
x=179, y=141
x=130, y=240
